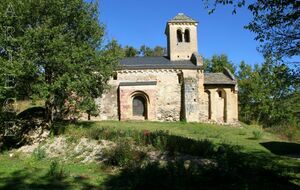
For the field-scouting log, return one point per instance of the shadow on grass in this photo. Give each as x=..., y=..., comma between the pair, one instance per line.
x=25, y=180
x=230, y=169
x=283, y=148
x=176, y=175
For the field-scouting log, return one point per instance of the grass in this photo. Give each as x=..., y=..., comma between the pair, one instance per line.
x=19, y=172
x=217, y=134
x=256, y=164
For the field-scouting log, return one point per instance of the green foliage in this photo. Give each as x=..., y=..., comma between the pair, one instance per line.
x=149, y=52
x=232, y=169
x=237, y=162
x=158, y=51
x=56, y=170
x=39, y=153
x=290, y=132
x=268, y=94
x=56, y=53
x=217, y=64
x=257, y=134
x=176, y=144
x=124, y=155
x=275, y=23
x=130, y=51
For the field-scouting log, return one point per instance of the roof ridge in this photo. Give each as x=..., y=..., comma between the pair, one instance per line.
x=181, y=17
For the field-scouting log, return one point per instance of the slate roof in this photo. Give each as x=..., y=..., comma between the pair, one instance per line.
x=136, y=63
x=218, y=78
x=180, y=17
x=133, y=63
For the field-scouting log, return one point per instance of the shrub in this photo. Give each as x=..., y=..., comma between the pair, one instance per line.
x=257, y=134
x=286, y=132
x=94, y=133
x=164, y=141
x=56, y=170
x=124, y=155
x=39, y=153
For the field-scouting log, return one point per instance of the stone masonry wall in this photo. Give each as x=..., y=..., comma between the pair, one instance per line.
x=177, y=94
x=108, y=102
x=229, y=102
x=166, y=94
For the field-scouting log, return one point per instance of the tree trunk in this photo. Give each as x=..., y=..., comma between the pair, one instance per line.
x=49, y=112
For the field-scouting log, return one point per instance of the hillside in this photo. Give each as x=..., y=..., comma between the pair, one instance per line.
x=153, y=155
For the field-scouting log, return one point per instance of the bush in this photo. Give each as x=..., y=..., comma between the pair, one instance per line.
x=124, y=155
x=56, y=170
x=286, y=132
x=39, y=153
x=94, y=133
x=176, y=144
x=257, y=134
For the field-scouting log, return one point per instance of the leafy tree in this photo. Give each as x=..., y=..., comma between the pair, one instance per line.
x=275, y=22
x=158, y=51
x=147, y=51
x=130, y=51
x=217, y=64
x=267, y=93
x=57, y=52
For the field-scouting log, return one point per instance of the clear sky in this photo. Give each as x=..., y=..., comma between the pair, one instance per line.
x=138, y=22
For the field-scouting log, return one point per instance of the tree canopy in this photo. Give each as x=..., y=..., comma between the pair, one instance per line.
x=54, y=50
x=148, y=52
x=276, y=24
x=217, y=64
x=130, y=51
x=268, y=94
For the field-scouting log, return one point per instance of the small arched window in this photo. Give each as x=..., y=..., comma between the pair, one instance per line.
x=187, y=35
x=179, y=35
x=220, y=94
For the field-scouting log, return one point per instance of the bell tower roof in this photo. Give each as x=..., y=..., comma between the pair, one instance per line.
x=180, y=17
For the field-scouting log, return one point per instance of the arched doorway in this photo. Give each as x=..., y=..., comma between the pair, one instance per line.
x=139, y=106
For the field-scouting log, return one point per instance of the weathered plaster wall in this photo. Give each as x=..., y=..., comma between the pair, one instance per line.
x=164, y=97
x=177, y=94
x=182, y=50
x=224, y=107
x=126, y=96
x=108, y=102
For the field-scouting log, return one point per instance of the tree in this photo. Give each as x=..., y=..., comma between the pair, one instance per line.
x=149, y=52
x=267, y=93
x=275, y=22
x=217, y=64
x=57, y=52
x=158, y=51
x=130, y=51
x=146, y=51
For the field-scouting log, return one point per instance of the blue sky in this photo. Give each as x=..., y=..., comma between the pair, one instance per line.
x=138, y=22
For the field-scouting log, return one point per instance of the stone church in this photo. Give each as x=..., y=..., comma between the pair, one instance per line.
x=171, y=88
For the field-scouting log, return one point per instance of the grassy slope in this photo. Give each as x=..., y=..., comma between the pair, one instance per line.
x=26, y=173
x=216, y=133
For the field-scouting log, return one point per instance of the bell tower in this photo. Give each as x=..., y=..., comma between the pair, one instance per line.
x=181, y=34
